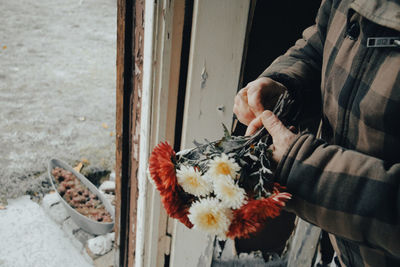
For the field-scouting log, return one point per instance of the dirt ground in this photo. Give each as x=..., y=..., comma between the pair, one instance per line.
x=57, y=88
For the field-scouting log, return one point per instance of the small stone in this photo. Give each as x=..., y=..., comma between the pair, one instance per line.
x=107, y=187
x=101, y=244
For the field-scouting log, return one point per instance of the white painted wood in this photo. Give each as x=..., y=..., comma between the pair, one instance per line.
x=145, y=130
x=218, y=34
x=162, y=50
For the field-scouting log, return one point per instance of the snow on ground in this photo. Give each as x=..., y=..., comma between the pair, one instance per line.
x=29, y=238
x=57, y=87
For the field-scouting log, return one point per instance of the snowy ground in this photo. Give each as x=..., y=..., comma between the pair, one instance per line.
x=57, y=100
x=57, y=88
x=29, y=238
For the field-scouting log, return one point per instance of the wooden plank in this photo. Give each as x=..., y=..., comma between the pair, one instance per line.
x=304, y=245
x=121, y=142
x=135, y=125
x=163, y=81
x=217, y=40
x=129, y=85
x=173, y=19
x=144, y=199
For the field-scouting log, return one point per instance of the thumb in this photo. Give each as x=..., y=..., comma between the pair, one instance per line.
x=273, y=125
x=254, y=125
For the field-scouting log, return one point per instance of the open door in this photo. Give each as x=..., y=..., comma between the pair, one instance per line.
x=150, y=75
x=168, y=49
x=216, y=49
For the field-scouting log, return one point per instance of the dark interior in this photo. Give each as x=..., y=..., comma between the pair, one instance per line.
x=276, y=26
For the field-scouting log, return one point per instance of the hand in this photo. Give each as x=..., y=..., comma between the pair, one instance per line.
x=282, y=137
x=257, y=96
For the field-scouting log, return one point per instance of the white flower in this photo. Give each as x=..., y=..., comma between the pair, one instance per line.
x=210, y=216
x=192, y=182
x=231, y=195
x=223, y=166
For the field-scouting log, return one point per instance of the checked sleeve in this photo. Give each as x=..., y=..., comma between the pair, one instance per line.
x=347, y=193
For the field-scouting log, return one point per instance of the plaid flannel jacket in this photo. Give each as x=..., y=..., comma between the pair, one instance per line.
x=348, y=183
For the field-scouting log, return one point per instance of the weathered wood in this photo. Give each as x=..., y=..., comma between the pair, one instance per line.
x=129, y=85
x=173, y=29
x=120, y=227
x=135, y=125
x=304, y=245
x=162, y=41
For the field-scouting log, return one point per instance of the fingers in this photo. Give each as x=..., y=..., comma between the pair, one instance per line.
x=273, y=125
x=254, y=126
x=257, y=96
x=242, y=109
x=281, y=136
x=268, y=120
x=254, y=99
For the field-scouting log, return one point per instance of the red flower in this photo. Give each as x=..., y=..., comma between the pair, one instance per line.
x=161, y=166
x=251, y=217
x=162, y=171
x=176, y=206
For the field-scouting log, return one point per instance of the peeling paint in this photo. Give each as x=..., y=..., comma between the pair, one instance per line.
x=137, y=70
x=135, y=142
x=204, y=76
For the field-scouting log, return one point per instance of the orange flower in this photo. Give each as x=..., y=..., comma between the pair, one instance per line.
x=251, y=217
x=161, y=166
x=162, y=171
x=176, y=206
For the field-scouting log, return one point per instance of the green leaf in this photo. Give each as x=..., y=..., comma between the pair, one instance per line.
x=227, y=134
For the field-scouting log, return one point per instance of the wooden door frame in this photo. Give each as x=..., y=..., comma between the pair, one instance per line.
x=130, y=34
x=147, y=91
x=148, y=69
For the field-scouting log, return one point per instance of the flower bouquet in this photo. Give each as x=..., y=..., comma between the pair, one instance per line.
x=226, y=187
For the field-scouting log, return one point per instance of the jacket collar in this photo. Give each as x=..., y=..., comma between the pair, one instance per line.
x=385, y=13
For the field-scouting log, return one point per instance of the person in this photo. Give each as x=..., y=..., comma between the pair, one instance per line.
x=345, y=68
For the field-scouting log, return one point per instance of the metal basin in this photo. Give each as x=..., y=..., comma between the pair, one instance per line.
x=87, y=224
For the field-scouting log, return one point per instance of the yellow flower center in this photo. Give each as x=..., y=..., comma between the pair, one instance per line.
x=223, y=168
x=193, y=181
x=210, y=219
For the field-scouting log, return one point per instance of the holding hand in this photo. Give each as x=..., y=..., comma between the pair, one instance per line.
x=257, y=96
x=281, y=136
